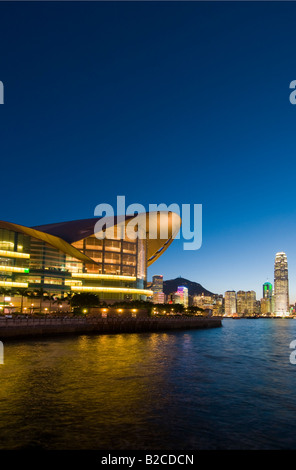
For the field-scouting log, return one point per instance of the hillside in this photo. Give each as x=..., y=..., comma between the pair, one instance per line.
x=194, y=288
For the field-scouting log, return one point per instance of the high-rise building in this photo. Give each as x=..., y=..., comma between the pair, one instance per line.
x=281, y=284
x=202, y=301
x=257, y=307
x=158, y=298
x=230, y=302
x=251, y=302
x=241, y=302
x=246, y=302
x=267, y=299
x=157, y=288
x=267, y=290
x=157, y=283
x=175, y=298
x=182, y=292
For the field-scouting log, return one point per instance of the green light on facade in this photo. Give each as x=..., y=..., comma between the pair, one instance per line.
x=26, y=270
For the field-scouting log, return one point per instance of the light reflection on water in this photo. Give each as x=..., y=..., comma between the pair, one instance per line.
x=226, y=388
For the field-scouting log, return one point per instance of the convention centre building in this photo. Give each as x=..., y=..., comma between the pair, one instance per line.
x=71, y=257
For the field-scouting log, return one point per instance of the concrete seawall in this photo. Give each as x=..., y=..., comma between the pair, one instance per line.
x=35, y=327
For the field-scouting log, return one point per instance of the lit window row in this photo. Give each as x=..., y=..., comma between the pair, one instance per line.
x=14, y=269
x=14, y=254
x=104, y=276
x=13, y=284
x=123, y=290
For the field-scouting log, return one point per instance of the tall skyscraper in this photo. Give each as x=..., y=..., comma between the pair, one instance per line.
x=281, y=284
x=230, y=302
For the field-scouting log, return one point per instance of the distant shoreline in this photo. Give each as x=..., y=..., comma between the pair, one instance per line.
x=259, y=317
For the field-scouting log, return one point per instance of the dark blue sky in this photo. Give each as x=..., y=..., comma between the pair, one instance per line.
x=160, y=102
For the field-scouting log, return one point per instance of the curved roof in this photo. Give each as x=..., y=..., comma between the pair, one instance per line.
x=160, y=229
x=52, y=240
x=74, y=230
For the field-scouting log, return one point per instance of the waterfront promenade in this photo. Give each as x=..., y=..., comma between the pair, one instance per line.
x=46, y=326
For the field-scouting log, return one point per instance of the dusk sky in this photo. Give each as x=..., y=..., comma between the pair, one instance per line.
x=171, y=102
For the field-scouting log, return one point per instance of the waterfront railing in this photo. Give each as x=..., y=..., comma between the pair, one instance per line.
x=92, y=320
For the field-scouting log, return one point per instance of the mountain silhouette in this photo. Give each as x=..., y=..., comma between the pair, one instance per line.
x=194, y=288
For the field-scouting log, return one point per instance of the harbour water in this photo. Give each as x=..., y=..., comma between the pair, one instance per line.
x=224, y=388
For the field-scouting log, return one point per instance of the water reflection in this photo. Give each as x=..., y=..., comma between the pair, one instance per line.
x=231, y=387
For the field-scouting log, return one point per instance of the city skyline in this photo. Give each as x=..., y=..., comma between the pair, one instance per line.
x=274, y=299
x=258, y=291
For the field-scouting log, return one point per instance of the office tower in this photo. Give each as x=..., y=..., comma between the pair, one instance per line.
x=265, y=307
x=157, y=288
x=176, y=298
x=182, y=292
x=241, y=302
x=158, y=298
x=251, y=302
x=281, y=284
x=267, y=299
x=202, y=301
x=218, y=304
x=246, y=302
x=230, y=302
x=267, y=290
x=157, y=283
x=257, y=307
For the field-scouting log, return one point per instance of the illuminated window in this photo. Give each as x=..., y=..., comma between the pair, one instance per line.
x=128, y=247
x=93, y=268
x=128, y=271
x=129, y=260
x=78, y=245
x=114, y=258
x=111, y=269
x=112, y=245
x=53, y=280
x=95, y=255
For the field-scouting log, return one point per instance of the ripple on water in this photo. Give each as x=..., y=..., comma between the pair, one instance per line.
x=225, y=388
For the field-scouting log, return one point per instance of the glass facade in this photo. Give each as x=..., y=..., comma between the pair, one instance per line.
x=14, y=259
x=281, y=284
x=230, y=302
x=58, y=259
x=125, y=260
x=267, y=298
x=119, y=257
x=116, y=269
